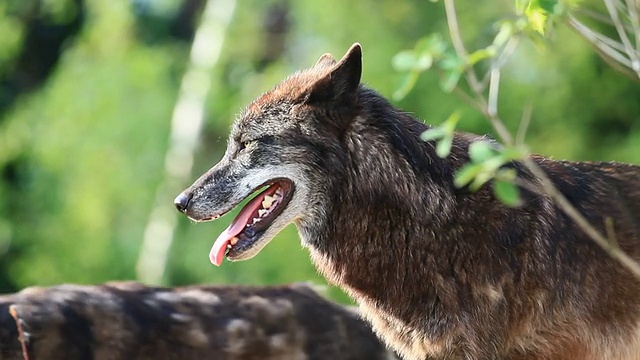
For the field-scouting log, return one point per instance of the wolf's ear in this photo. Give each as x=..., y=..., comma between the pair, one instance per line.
x=342, y=81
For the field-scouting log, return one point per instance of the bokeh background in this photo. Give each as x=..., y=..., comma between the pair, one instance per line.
x=88, y=90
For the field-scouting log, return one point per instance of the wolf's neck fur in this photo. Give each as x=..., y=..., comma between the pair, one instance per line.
x=391, y=202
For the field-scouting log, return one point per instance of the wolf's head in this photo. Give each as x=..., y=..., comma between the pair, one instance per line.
x=278, y=152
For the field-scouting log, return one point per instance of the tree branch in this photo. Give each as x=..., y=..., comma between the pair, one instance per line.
x=489, y=109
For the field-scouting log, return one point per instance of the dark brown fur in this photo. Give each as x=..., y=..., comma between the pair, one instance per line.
x=132, y=321
x=442, y=272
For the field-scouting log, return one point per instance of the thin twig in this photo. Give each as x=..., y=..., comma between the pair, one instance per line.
x=600, y=41
x=497, y=124
x=505, y=54
x=614, y=44
x=21, y=337
x=634, y=17
x=630, y=49
x=458, y=45
x=494, y=87
x=524, y=124
x=616, y=65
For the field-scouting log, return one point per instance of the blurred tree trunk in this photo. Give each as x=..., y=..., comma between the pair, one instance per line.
x=186, y=124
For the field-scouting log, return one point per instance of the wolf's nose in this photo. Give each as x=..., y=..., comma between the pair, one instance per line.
x=182, y=201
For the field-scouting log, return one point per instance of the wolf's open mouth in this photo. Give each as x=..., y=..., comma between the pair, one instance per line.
x=253, y=220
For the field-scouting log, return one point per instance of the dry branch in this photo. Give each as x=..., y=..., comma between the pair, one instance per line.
x=131, y=321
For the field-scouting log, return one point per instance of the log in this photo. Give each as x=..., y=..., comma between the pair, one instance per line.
x=127, y=320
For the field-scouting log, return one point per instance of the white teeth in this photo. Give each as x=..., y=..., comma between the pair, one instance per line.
x=261, y=212
x=278, y=193
x=255, y=220
x=228, y=246
x=268, y=201
x=233, y=241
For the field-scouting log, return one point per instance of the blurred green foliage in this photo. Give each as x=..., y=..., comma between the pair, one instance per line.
x=81, y=156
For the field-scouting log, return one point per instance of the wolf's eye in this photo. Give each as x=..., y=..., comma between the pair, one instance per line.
x=244, y=145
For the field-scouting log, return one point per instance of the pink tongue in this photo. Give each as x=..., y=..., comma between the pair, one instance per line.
x=237, y=225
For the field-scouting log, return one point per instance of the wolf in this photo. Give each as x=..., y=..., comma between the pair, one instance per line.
x=440, y=272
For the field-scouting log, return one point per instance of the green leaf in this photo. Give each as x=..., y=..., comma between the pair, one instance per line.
x=547, y=5
x=507, y=174
x=481, y=178
x=481, y=151
x=408, y=61
x=487, y=171
x=404, y=60
x=432, y=44
x=450, y=124
x=444, y=133
x=433, y=134
x=444, y=146
x=507, y=192
x=453, y=67
x=537, y=13
x=537, y=20
x=493, y=164
x=451, y=61
x=514, y=153
x=422, y=57
x=423, y=62
x=466, y=174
